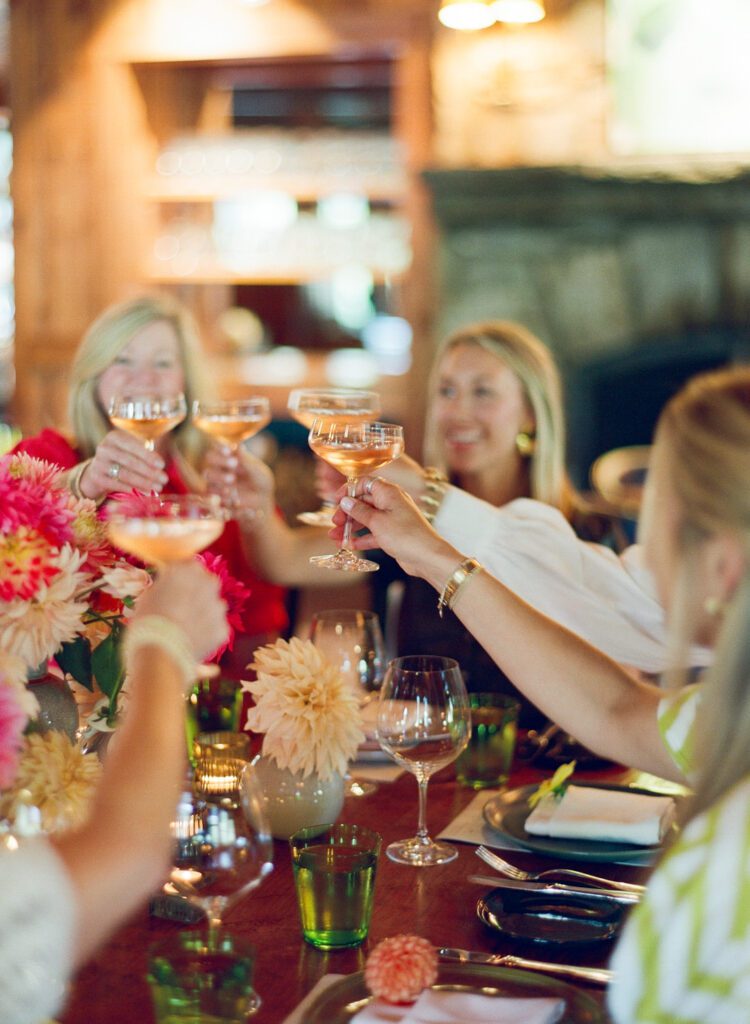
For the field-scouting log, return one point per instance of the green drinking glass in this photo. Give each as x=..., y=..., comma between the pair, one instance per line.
x=334, y=875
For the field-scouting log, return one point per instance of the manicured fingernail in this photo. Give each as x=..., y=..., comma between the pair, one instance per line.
x=347, y=503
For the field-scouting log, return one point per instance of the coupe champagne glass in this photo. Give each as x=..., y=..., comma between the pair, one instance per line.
x=349, y=405
x=161, y=528
x=424, y=722
x=147, y=416
x=352, y=640
x=232, y=422
x=353, y=449
x=223, y=847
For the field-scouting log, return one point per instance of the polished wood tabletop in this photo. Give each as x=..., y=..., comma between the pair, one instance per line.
x=438, y=903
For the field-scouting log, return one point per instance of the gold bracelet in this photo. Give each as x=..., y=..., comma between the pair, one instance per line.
x=159, y=631
x=73, y=479
x=435, y=486
x=463, y=572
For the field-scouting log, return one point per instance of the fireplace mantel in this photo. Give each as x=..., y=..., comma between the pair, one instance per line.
x=608, y=266
x=464, y=197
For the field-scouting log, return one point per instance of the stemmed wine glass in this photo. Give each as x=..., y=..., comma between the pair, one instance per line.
x=352, y=640
x=223, y=848
x=424, y=722
x=347, y=405
x=353, y=449
x=232, y=422
x=147, y=416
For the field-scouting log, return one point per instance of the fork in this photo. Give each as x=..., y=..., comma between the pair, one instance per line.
x=511, y=871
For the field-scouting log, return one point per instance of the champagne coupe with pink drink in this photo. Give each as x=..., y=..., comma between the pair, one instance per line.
x=347, y=405
x=147, y=416
x=354, y=449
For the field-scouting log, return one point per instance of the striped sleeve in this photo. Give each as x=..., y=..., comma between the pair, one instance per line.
x=677, y=715
x=684, y=956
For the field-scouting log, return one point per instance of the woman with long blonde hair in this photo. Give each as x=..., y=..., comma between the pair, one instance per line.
x=495, y=429
x=497, y=363
x=150, y=344
x=685, y=953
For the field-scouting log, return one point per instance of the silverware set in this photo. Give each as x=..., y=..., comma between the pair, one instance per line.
x=555, y=874
x=553, y=881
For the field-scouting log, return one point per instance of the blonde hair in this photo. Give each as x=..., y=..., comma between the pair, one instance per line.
x=100, y=346
x=532, y=363
x=707, y=430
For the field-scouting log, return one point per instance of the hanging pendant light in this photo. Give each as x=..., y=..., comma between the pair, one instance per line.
x=466, y=15
x=518, y=12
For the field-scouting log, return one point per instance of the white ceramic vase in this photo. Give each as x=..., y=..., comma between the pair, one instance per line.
x=293, y=802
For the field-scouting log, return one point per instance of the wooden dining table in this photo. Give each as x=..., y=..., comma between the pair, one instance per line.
x=438, y=903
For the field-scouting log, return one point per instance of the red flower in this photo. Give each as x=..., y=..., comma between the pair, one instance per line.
x=233, y=592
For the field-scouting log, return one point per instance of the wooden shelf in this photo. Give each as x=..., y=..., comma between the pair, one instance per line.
x=305, y=188
x=267, y=276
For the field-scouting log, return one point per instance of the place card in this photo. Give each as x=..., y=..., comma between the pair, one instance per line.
x=470, y=827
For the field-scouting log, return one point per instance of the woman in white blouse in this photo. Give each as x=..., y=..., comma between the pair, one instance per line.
x=685, y=953
x=61, y=897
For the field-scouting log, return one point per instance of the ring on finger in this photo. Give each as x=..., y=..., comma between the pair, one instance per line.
x=114, y=470
x=369, y=484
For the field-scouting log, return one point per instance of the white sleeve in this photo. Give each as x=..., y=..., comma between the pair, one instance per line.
x=37, y=920
x=606, y=599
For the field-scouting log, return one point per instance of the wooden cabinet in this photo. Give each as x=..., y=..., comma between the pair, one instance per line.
x=103, y=93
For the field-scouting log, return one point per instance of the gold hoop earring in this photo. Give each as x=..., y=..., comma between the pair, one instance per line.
x=525, y=444
x=713, y=606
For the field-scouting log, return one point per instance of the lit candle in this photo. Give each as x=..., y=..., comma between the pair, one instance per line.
x=186, y=876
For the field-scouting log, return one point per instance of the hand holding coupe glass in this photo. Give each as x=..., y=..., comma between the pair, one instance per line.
x=353, y=449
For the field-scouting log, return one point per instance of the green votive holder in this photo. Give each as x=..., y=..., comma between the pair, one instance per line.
x=487, y=760
x=334, y=875
x=200, y=979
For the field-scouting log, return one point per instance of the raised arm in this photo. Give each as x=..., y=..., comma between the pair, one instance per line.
x=278, y=552
x=120, y=856
x=586, y=692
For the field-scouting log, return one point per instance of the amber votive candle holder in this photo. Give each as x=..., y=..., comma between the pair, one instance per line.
x=222, y=744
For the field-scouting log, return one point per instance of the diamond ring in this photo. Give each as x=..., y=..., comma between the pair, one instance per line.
x=114, y=470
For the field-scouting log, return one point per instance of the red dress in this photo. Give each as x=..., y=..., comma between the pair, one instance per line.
x=265, y=615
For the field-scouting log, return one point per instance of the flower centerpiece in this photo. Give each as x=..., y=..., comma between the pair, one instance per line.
x=43, y=770
x=312, y=726
x=65, y=598
x=65, y=591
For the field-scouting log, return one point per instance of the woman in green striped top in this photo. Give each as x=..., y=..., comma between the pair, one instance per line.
x=685, y=954
x=684, y=957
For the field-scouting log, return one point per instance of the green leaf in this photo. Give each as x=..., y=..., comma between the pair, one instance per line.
x=556, y=785
x=74, y=658
x=107, y=665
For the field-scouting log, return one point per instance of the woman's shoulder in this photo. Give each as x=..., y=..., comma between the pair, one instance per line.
x=52, y=446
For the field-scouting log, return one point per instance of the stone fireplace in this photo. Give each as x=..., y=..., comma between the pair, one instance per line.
x=635, y=278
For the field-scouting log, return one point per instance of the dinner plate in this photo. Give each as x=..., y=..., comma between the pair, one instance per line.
x=507, y=812
x=343, y=999
x=561, y=920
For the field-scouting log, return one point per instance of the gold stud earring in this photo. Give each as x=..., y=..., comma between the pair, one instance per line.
x=713, y=606
x=525, y=443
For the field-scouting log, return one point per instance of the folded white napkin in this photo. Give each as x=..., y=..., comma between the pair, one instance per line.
x=603, y=814
x=463, y=1008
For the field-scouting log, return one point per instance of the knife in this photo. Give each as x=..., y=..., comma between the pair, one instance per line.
x=556, y=888
x=593, y=975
